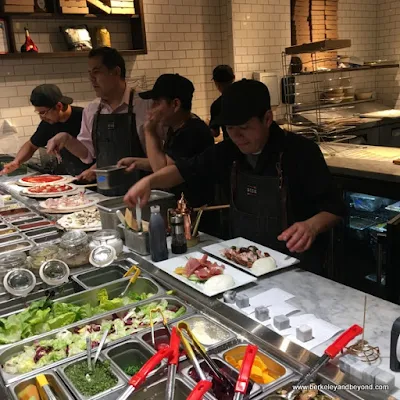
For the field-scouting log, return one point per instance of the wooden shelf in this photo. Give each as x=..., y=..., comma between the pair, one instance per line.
x=92, y=17
x=363, y=68
x=64, y=54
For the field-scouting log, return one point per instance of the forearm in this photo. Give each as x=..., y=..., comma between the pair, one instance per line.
x=165, y=178
x=157, y=158
x=323, y=221
x=25, y=153
x=76, y=147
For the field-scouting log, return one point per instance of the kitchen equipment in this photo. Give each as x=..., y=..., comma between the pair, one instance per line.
x=244, y=374
x=44, y=384
x=200, y=390
x=221, y=375
x=164, y=322
x=197, y=222
x=172, y=365
x=139, y=215
x=109, y=237
x=110, y=177
x=121, y=218
x=331, y=352
x=102, y=256
x=136, y=272
x=54, y=272
x=89, y=353
x=19, y=282
x=74, y=248
x=139, y=242
x=100, y=347
x=178, y=242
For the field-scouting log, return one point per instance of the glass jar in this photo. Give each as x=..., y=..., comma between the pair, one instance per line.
x=39, y=254
x=11, y=261
x=74, y=248
x=109, y=237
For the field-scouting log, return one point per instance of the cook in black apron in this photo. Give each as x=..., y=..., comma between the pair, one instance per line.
x=260, y=212
x=115, y=137
x=70, y=165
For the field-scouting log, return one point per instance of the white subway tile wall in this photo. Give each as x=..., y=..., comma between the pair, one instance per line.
x=388, y=47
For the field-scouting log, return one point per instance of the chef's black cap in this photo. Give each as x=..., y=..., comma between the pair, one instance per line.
x=48, y=95
x=223, y=74
x=242, y=101
x=170, y=86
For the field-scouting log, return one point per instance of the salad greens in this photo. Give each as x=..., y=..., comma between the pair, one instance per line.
x=44, y=315
x=68, y=343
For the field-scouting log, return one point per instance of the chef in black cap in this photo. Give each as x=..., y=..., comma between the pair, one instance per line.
x=282, y=195
x=223, y=77
x=57, y=115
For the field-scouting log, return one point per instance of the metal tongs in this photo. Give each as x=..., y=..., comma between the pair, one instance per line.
x=220, y=374
x=167, y=352
x=330, y=353
x=164, y=322
x=203, y=386
x=132, y=270
x=173, y=362
x=242, y=382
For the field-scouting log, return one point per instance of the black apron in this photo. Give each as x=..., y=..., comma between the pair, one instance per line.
x=114, y=137
x=259, y=206
x=72, y=165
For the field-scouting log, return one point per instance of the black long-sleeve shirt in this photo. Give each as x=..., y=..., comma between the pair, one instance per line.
x=310, y=184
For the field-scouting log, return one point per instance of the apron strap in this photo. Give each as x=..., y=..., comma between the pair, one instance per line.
x=95, y=126
x=283, y=188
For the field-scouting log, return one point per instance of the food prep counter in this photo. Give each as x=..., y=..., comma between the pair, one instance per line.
x=313, y=294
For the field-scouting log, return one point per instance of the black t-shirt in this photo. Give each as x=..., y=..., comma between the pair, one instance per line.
x=46, y=131
x=188, y=141
x=215, y=111
x=310, y=184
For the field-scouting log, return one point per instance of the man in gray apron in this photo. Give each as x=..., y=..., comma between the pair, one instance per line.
x=282, y=195
x=112, y=128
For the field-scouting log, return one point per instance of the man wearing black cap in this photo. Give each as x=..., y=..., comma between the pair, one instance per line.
x=223, y=76
x=187, y=135
x=57, y=115
x=282, y=195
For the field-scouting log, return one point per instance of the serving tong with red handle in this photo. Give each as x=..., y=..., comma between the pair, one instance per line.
x=140, y=377
x=242, y=382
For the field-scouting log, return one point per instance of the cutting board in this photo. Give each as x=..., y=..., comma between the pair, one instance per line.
x=382, y=114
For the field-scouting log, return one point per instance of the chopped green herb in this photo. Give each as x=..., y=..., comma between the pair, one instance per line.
x=132, y=369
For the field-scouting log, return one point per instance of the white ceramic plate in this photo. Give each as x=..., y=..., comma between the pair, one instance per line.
x=282, y=260
x=171, y=264
x=74, y=190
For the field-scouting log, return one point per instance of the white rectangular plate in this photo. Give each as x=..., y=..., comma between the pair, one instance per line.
x=171, y=264
x=282, y=260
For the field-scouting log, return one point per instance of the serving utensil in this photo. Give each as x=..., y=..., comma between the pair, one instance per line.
x=89, y=356
x=172, y=365
x=100, y=347
x=121, y=218
x=132, y=270
x=242, y=382
x=330, y=353
x=164, y=322
x=139, y=215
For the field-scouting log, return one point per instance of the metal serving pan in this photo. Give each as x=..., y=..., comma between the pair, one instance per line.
x=15, y=211
x=212, y=328
x=4, y=232
x=275, y=368
x=15, y=349
x=128, y=352
x=54, y=238
x=27, y=221
x=16, y=237
x=23, y=245
x=20, y=217
x=100, y=276
x=255, y=388
x=56, y=384
x=28, y=226
x=41, y=232
x=103, y=395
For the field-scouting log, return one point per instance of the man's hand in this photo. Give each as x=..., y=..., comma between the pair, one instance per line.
x=57, y=143
x=153, y=120
x=141, y=190
x=10, y=167
x=87, y=176
x=299, y=237
x=132, y=163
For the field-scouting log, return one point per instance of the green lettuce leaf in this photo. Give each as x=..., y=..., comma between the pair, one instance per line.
x=39, y=317
x=62, y=320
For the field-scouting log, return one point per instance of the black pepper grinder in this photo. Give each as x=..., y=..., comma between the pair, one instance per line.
x=394, y=338
x=179, y=244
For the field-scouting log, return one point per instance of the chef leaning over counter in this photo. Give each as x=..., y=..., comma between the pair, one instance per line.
x=112, y=126
x=282, y=195
x=57, y=115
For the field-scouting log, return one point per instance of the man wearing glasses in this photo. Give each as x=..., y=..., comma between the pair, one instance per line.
x=57, y=115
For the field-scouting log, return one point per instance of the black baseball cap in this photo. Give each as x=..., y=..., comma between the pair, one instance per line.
x=242, y=101
x=171, y=86
x=223, y=73
x=48, y=95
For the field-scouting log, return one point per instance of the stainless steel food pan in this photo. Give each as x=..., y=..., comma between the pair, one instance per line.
x=41, y=232
x=23, y=245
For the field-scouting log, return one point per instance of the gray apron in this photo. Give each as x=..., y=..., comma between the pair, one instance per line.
x=259, y=206
x=114, y=137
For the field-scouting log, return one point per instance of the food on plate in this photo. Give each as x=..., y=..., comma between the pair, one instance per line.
x=101, y=377
x=219, y=282
x=49, y=189
x=263, y=265
x=68, y=343
x=85, y=219
x=43, y=316
x=245, y=256
x=200, y=269
x=42, y=179
x=67, y=202
x=259, y=371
